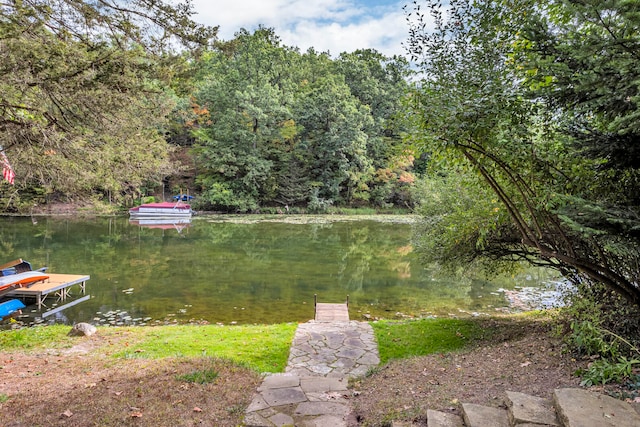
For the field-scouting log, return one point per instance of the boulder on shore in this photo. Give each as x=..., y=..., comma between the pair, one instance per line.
x=82, y=329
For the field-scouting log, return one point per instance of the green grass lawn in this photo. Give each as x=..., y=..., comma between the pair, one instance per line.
x=264, y=348
x=402, y=339
x=54, y=336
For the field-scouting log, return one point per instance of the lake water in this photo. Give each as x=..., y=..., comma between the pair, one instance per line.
x=244, y=269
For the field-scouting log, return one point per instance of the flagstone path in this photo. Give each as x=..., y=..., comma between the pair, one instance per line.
x=313, y=390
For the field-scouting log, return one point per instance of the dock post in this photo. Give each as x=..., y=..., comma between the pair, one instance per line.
x=315, y=306
x=347, y=300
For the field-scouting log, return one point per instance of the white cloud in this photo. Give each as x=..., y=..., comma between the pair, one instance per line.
x=384, y=34
x=326, y=25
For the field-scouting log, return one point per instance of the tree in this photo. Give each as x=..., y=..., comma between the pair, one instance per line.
x=500, y=104
x=381, y=84
x=333, y=138
x=83, y=93
x=588, y=72
x=245, y=90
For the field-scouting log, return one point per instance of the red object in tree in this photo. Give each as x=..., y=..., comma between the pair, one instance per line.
x=7, y=170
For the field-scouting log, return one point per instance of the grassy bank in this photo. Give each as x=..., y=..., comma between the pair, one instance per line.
x=400, y=340
x=263, y=348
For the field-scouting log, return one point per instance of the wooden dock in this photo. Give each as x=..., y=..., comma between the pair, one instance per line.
x=326, y=312
x=56, y=284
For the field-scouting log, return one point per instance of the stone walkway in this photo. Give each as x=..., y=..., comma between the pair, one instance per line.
x=313, y=390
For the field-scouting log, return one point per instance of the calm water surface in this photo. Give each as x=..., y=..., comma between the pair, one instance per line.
x=243, y=269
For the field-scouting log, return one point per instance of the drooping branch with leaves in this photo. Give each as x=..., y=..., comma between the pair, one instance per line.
x=517, y=101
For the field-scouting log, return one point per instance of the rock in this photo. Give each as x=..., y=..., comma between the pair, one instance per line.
x=442, y=419
x=82, y=329
x=581, y=408
x=484, y=416
x=530, y=409
x=396, y=423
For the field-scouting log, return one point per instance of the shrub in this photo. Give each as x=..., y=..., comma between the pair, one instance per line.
x=611, y=365
x=604, y=328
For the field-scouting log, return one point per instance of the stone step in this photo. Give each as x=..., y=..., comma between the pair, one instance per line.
x=581, y=408
x=442, y=419
x=398, y=423
x=526, y=409
x=484, y=416
x=571, y=407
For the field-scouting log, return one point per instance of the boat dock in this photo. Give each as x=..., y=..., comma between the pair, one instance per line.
x=56, y=284
x=326, y=312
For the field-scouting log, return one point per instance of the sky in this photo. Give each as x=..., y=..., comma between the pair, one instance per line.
x=335, y=26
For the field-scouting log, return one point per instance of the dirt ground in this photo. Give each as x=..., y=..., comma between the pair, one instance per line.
x=524, y=357
x=78, y=388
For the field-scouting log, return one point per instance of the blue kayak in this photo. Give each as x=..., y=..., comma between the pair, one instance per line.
x=10, y=307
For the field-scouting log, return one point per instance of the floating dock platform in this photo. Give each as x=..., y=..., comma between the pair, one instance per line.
x=56, y=285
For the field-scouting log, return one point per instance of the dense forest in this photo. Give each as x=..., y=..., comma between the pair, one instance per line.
x=270, y=126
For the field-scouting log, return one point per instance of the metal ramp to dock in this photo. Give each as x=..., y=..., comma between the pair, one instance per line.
x=327, y=312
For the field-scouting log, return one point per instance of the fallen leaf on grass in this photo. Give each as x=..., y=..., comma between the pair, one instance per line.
x=136, y=415
x=196, y=409
x=525, y=364
x=67, y=413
